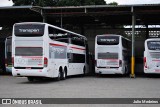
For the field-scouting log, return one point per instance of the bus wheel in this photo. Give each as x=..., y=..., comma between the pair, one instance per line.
x=98, y=74
x=30, y=79
x=84, y=71
x=60, y=75
x=64, y=74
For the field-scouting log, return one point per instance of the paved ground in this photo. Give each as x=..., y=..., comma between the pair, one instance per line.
x=81, y=87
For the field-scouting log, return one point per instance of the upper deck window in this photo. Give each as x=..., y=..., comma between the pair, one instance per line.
x=153, y=45
x=107, y=40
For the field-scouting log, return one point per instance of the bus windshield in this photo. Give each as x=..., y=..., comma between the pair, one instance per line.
x=29, y=30
x=153, y=45
x=107, y=40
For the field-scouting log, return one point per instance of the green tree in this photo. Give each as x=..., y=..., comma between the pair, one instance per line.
x=58, y=2
x=113, y=3
x=22, y=2
x=95, y=2
x=35, y=2
x=80, y=2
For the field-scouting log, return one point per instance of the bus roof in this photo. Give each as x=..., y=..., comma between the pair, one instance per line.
x=113, y=35
x=52, y=26
x=109, y=35
x=150, y=39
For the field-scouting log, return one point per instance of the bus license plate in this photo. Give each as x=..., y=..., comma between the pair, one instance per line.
x=28, y=67
x=157, y=70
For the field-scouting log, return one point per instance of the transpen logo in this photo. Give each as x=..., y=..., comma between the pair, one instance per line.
x=108, y=40
x=58, y=50
x=29, y=30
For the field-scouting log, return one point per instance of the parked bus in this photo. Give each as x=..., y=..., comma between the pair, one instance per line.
x=8, y=54
x=112, y=54
x=44, y=50
x=152, y=56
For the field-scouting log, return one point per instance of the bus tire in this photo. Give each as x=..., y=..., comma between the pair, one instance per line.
x=30, y=79
x=98, y=74
x=58, y=78
x=64, y=73
x=60, y=74
x=84, y=71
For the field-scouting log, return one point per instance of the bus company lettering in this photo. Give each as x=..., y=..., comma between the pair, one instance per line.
x=29, y=30
x=58, y=50
x=77, y=38
x=108, y=40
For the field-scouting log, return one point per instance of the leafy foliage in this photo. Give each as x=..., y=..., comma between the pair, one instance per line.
x=113, y=3
x=34, y=2
x=58, y=2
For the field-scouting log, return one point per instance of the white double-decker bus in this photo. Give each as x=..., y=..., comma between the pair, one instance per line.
x=152, y=56
x=44, y=50
x=112, y=54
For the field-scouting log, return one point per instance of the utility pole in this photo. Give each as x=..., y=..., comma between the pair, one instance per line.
x=132, y=75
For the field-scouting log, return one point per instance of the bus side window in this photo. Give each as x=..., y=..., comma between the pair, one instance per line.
x=58, y=35
x=77, y=40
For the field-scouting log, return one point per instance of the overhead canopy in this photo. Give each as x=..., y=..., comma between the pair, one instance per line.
x=101, y=15
x=14, y=14
x=104, y=14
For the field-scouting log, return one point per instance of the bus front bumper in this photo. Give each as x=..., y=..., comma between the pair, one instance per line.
x=109, y=70
x=154, y=70
x=30, y=72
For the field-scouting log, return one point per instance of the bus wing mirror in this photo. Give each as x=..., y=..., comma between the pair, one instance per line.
x=69, y=56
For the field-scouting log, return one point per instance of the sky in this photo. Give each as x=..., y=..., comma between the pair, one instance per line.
x=123, y=2
x=120, y=2
x=6, y=3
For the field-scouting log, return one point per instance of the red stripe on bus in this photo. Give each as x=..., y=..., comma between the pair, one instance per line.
x=57, y=44
x=155, y=60
x=78, y=48
x=29, y=47
x=31, y=56
x=157, y=70
x=111, y=59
